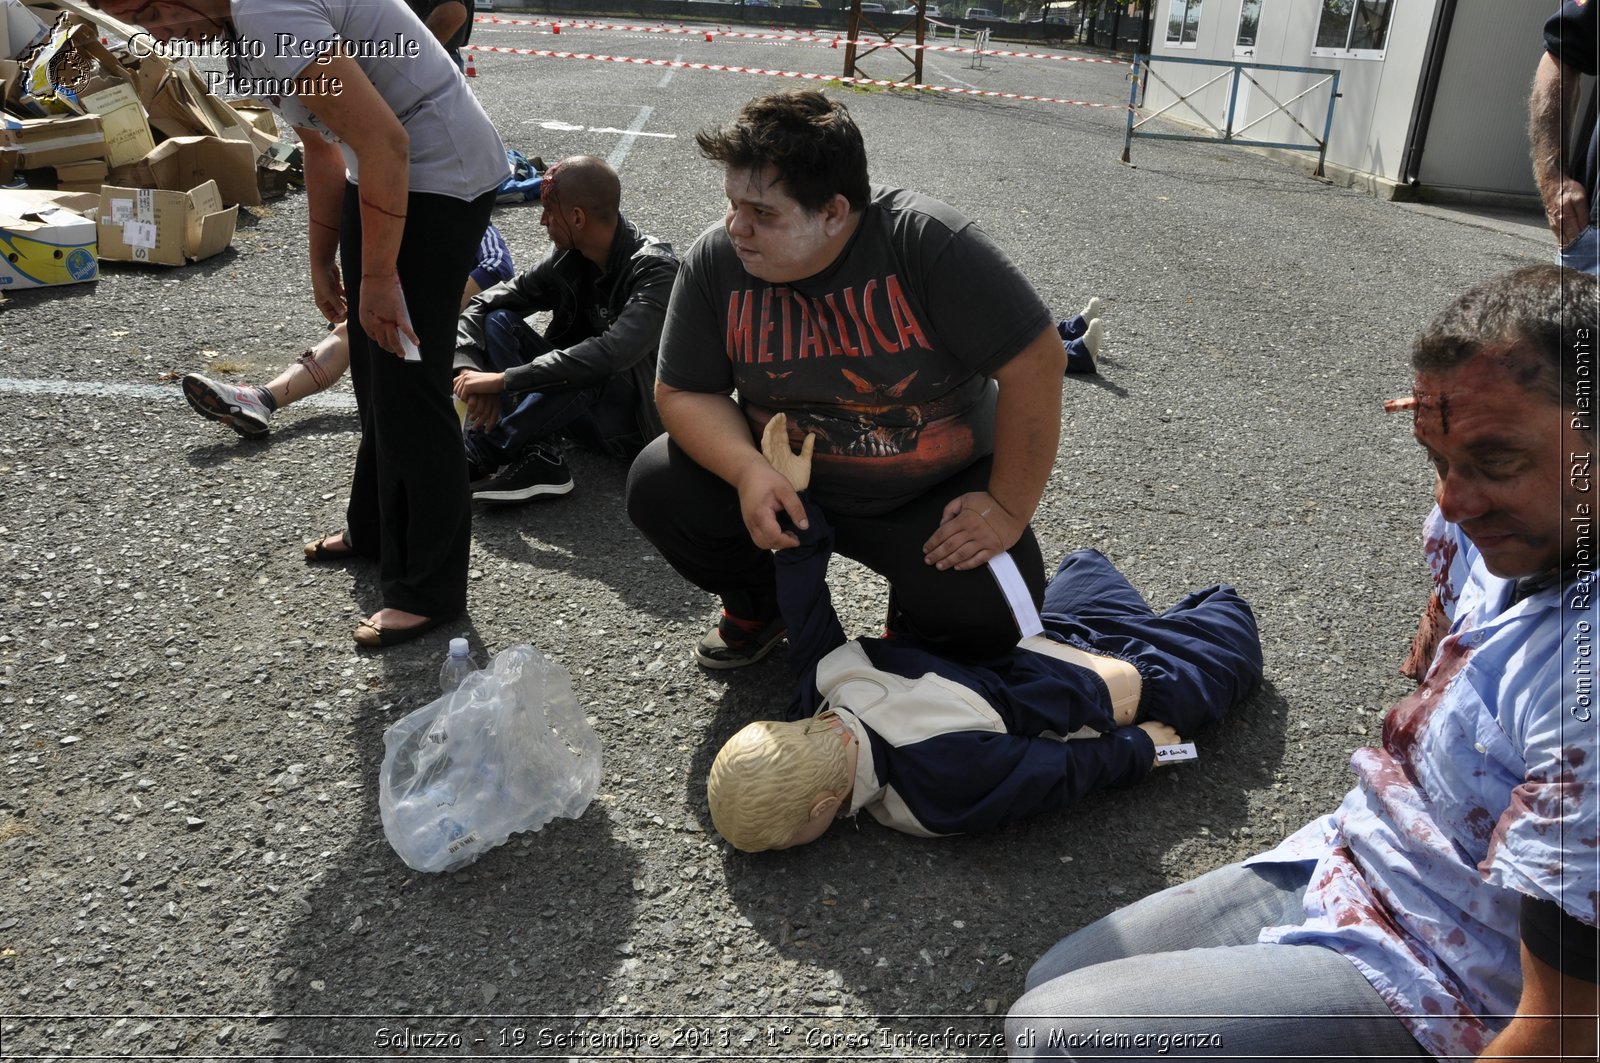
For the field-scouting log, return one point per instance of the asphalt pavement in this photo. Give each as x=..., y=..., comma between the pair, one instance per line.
x=191, y=860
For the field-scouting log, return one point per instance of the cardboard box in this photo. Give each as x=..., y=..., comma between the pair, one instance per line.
x=46, y=239
x=179, y=164
x=162, y=227
x=71, y=64
x=279, y=167
x=122, y=118
x=258, y=114
x=10, y=85
x=182, y=104
x=52, y=141
x=85, y=176
x=20, y=29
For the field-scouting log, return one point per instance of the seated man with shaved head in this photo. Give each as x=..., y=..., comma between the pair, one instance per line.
x=591, y=375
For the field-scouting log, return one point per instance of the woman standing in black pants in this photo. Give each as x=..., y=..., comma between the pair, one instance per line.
x=401, y=167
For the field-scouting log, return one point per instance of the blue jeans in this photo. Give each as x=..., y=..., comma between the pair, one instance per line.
x=1179, y=974
x=601, y=417
x=1583, y=253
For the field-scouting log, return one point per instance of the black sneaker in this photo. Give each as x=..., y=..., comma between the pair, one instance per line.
x=478, y=474
x=540, y=470
x=734, y=643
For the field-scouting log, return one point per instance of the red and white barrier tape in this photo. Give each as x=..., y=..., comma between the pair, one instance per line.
x=676, y=64
x=798, y=38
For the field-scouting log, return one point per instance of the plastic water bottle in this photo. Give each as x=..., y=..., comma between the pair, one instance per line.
x=444, y=837
x=456, y=667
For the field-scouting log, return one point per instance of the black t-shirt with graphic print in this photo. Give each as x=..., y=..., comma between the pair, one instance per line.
x=886, y=355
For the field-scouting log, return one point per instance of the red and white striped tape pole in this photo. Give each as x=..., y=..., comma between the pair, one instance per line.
x=557, y=27
x=676, y=64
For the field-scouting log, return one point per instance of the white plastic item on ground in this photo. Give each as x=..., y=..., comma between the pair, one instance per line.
x=507, y=751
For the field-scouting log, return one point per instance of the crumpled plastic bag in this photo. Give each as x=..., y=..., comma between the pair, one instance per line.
x=506, y=751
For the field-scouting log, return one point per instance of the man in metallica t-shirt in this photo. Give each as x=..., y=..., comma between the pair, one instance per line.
x=892, y=329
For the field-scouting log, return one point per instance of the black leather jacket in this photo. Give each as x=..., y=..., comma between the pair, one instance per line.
x=602, y=321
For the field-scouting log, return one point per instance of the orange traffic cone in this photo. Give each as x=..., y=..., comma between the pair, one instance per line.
x=471, y=69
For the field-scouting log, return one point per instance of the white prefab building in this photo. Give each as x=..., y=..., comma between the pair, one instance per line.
x=1433, y=93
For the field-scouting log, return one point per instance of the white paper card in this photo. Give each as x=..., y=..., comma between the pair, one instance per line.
x=139, y=233
x=121, y=210
x=1016, y=592
x=1173, y=754
x=407, y=348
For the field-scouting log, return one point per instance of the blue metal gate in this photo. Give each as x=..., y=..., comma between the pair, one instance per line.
x=1143, y=67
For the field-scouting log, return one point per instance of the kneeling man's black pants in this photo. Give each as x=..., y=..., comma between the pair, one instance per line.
x=693, y=518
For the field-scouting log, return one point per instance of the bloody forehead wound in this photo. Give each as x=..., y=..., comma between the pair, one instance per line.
x=1419, y=404
x=1422, y=404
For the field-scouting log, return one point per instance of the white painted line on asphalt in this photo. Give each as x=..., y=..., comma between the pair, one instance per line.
x=557, y=126
x=625, y=145
x=631, y=134
x=947, y=76
x=670, y=71
x=104, y=389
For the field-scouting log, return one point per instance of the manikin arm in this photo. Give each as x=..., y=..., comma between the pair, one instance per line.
x=802, y=571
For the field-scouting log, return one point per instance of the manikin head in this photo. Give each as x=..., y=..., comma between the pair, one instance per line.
x=1504, y=406
x=777, y=784
x=796, y=181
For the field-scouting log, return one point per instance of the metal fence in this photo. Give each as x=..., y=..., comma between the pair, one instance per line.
x=1225, y=133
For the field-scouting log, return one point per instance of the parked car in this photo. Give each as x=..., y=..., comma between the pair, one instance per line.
x=874, y=9
x=483, y=5
x=932, y=11
x=982, y=14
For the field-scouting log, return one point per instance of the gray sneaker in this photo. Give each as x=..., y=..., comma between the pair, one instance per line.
x=235, y=405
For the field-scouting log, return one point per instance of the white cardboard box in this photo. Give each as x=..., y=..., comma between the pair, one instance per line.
x=46, y=238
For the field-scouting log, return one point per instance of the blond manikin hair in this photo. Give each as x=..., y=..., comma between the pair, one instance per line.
x=767, y=778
